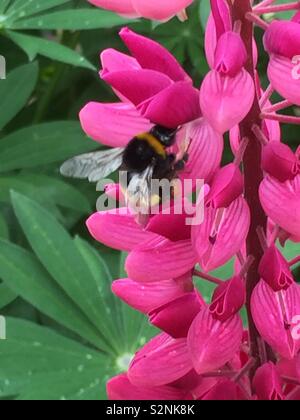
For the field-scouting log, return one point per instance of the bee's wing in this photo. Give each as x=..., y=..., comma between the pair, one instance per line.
x=93, y=166
x=139, y=195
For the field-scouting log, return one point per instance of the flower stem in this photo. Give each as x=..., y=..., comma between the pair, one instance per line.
x=281, y=118
x=207, y=277
x=277, y=8
x=253, y=178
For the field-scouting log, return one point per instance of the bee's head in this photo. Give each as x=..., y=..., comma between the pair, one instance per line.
x=165, y=135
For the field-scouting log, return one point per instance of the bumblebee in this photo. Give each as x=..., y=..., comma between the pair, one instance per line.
x=145, y=158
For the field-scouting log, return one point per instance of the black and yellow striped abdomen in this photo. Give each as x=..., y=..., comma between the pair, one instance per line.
x=154, y=143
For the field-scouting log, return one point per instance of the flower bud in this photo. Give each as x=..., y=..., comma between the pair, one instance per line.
x=227, y=185
x=228, y=298
x=275, y=270
x=267, y=383
x=279, y=161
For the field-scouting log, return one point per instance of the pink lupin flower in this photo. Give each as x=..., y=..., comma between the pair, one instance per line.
x=159, y=259
x=213, y=343
x=223, y=390
x=281, y=202
x=145, y=297
x=120, y=388
x=227, y=186
x=228, y=298
x=153, y=9
x=117, y=229
x=279, y=161
x=149, y=85
x=275, y=270
x=282, y=41
x=221, y=235
x=166, y=317
x=274, y=314
x=154, y=83
x=228, y=80
x=267, y=383
x=160, y=362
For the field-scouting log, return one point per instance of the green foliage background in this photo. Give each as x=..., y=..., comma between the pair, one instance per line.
x=67, y=334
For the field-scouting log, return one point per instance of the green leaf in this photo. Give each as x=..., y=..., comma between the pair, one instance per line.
x=23, y=8
x=37, y=363
x=16, y=90
x=109, y=306
x=6, y=295
x=137, y=329
x=43, y=144
x=204, y=11
x=3, y=5
x=60, y=256
x=4, y=232
x=33, y=46
x=45, y=189
x=77, y=19
x=23, y=274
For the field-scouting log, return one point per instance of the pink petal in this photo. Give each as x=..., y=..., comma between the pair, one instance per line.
x=274, y=314
x=120, y=388
x=228, y=298
x=113, y=60
x=205, y=151
x=279, y=161
x=283, y=75
x=117, y=229
x=112, y=124
x=153, y=56
x=223, y=390
x=213, y=343
x=267, y=383
x=227, y=186
x=281, y=202
x=162, y=361
x=225, y=101
x=147, y=296
x=166, y=317
x=210, y=41
x=158, y=10
x=214, y=251
x=222, y=16
x=170, y=226
x=275, y=270
x=230, y=55
x=123, y=7
x=160, y=259
x=176, y=105
x=136, y=85
x=283, y=38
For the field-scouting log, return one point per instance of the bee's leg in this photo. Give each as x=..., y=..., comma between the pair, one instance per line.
x=180, y=165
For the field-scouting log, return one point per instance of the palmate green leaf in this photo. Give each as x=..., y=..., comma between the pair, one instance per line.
x=46, y=190
x=23, y=8
x=24, y=275
x=37, y=363
x=6, y=295
x=60, y=256
x=3, y=5
x=33, y=46
x=109, y=306
x=78, y=19
x=43, y=144
x=16, y=90
x=137, y=329
x=4, y=233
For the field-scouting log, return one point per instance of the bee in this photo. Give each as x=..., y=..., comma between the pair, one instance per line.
x=145, y=158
